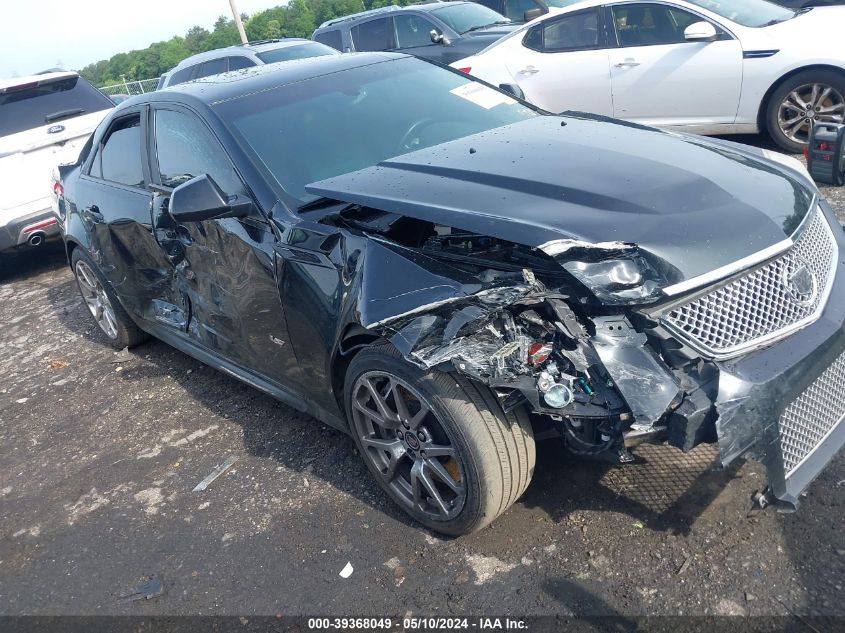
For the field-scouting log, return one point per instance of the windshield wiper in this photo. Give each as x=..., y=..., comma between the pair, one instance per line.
x=484, y=26
x=62, y=114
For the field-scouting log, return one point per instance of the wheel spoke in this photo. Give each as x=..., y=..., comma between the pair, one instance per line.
x=83, y=275
x=839, y=107
x=437, y=450
x=814, y=95
x=796, y=100
x=433, y=492
x=821, y=97
x=394, y=450
x=416, y=488
x=386, y=413
x=444, y=476
x=110, y=321
x=399, y=400
x=419, y=416
x=373, y=415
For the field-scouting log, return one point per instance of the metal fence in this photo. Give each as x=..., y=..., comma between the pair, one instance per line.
x=130, y=87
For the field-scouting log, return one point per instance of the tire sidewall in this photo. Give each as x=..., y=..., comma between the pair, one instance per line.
x=821, y=76
x=378, y=358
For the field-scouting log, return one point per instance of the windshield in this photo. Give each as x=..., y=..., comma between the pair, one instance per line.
x=751, y=13
x=462, y=18
x=30, y=106
x=300, y=51
x=349, y=120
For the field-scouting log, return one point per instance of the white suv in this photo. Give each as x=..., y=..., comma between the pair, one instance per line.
x=44, y=120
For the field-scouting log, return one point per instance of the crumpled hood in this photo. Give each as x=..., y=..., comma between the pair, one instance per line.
x=696, y=205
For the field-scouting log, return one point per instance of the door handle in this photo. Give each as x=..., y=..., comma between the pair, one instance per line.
x=93, y=214
x=528, y=70
x=627, y=63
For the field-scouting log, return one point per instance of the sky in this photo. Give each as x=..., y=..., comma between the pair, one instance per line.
x=40, y=34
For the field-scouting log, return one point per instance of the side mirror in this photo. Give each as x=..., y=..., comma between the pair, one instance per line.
x=700, y=32
x=513, y=89
x=202, y=199
x=437, y=38
x=533, y=13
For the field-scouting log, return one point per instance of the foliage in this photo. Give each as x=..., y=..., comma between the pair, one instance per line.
x=298, y=18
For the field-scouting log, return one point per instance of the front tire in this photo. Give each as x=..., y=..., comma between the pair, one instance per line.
x=439, y=444
x=800, y=101
x=114, y=322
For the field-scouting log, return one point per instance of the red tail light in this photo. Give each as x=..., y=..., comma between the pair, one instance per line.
x=807, y=152
x=465, y=70
x=58, y=189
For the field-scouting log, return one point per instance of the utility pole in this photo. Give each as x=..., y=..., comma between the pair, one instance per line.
x=238, y=22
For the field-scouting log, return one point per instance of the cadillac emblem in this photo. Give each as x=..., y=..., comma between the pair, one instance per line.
x=800, y=282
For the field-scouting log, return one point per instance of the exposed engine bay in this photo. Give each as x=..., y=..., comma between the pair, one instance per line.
x=531, y=329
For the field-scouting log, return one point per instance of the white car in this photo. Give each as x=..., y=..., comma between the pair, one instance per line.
x=44, y=120
x=703, y=66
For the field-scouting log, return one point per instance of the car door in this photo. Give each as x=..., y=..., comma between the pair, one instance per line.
x=225, y=268
x=113, y=199
x=658, y=77
x=562, y=63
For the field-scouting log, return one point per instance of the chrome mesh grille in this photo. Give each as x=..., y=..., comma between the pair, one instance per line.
x=812, y=415
x=759, y=305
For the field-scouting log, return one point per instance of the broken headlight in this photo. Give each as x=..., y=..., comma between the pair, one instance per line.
x=620, y=280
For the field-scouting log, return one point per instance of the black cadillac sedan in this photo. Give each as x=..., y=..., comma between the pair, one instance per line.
x=442, y=271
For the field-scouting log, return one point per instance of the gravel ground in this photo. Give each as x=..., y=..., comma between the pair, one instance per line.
x=100, y=451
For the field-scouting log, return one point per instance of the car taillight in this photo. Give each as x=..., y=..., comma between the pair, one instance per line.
x=465, y=70
x=58, y=189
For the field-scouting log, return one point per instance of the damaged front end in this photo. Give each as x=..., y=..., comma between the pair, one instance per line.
x=557, y=342
x=582, y=336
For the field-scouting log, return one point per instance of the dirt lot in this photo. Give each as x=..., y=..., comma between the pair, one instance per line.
x=100, y=451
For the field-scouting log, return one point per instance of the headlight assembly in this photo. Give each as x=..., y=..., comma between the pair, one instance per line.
x=620, y=280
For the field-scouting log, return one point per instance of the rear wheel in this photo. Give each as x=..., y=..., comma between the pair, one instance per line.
x=801, y=101
x=120, y=330
x=440, y=445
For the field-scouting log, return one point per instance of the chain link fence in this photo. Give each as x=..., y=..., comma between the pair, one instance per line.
x=130, y=88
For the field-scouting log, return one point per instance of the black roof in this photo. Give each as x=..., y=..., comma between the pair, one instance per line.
x=236, y=83
x=431, y=5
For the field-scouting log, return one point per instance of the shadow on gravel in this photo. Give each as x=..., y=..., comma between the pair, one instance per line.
x=664, y=489
x=18, y=265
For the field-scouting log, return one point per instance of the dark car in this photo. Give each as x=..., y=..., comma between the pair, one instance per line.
x=442, y=271
x=221, y=60
x=524, y=10
x=441, y=31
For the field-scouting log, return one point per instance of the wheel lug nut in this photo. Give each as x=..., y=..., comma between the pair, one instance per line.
x=421, y=436
x=406, y=425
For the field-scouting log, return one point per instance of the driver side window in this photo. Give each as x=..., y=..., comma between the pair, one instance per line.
x=184, y=149
x=412, y=31
x=651, y=24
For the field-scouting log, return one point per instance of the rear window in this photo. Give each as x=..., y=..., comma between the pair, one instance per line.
x=331, y=38
x=299, y=51
x=182, y=76
x=36, y=106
